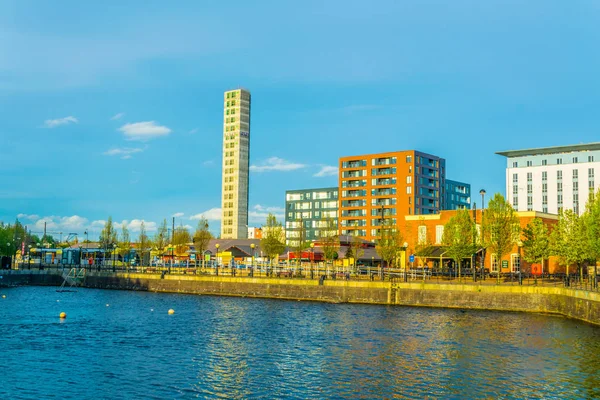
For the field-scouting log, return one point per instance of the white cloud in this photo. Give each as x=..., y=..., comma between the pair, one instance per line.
x=98, y=223
x=208, y=163
x=117, y=116
x=214, y=214
x=258, y=207
x=276, y=164
x=73, y=223
x=178, y=215
x=124, y=152
x=144, y=130
x=53, y=123
x=30, y=217
x=260, y=213
x=192, y=131
x=135, y=225
x=188, y=227
x=327, y=170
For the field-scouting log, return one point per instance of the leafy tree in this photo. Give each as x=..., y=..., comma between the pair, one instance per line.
x=143, y=244
x=124, y=242
x=181, y=240
x=202, y=238
x=272, y=243
x=536, y=243
x=108, y=235
x=390, y=243
x=357, y=251
x=48, y=240
x=329, y=239
x=460, y=237
x=569, y=240
x=299, y=243
x=161, y=238
x=424, y=247
x=499, y=233
x=592, y=227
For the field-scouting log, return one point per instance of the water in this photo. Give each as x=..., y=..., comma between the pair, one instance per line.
x=220, y=347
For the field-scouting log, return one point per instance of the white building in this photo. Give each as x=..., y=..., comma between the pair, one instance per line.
x=552, y=178
x=236, y=158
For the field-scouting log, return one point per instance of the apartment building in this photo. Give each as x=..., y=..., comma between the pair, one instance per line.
x=312, y=209
x=457, y=195
x=549, y=179
x=391, y=185
x=236, y=156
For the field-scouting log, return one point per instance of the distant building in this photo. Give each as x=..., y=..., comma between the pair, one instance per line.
x=236, y=156
x=395, y=184
x=457, y=195
x=309, y=208
x=549, y=179
x=254, y=233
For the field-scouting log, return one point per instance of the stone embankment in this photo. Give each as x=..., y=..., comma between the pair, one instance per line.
x=578, y=304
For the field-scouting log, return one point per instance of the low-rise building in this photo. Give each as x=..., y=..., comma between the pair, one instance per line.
x=307, y=211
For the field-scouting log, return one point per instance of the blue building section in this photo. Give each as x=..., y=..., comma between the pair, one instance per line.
x=457, y=195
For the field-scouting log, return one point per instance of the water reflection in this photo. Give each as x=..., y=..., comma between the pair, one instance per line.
x=249, y=348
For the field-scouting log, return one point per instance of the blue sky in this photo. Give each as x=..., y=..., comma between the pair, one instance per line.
x=115, y=108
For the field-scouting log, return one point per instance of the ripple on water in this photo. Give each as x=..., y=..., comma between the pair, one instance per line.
x=250, y=348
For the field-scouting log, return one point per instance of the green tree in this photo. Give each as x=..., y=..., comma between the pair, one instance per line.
x=329, y=239
x=536, y=242
x=390, y=242
x=299, y=243
x=357, y=250
x=143, y=245
x=460, y=237
x=202, y=238
x=424, y=247
x=181, y=240
x=161, y=238
x=273, y=240
x=108, y=236
x=569, y=240
x=500, y=228
x=124, y=242
x=592, y=228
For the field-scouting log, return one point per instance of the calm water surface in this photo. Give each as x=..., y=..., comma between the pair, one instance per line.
x=219, y=347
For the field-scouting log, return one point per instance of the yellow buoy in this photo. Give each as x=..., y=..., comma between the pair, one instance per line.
x=63, y=315
x=3, y=296
x=171, y=311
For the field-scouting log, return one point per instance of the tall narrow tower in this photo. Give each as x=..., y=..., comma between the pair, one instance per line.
x=236, y=158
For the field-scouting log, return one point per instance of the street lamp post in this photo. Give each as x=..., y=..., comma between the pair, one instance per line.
x=252, y=246
x=482, y=193
x=405, y=251
x=113, y=255
x=87, y=245
x=217, y=260
x=312, y=259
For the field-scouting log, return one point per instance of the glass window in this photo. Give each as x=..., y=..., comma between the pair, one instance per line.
x=422, y=234
x=439, y=234
x=494, y=262
x=515, y=262
x=409, y=189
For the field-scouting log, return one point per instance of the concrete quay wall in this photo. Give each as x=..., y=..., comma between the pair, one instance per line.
x=577, y=304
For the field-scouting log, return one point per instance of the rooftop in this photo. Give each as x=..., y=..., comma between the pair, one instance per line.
x=550, y=150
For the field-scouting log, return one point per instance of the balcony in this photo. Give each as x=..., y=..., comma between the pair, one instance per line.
x=383, y=192
x=353, y=213
x=354, y=203
x=384, y=161
x=354, y=164
x=353, y=174
x=383, y=171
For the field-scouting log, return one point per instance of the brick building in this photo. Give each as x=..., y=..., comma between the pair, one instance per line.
x=430, y=228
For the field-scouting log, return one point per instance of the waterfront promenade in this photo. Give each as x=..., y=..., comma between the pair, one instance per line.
x=547, y=296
